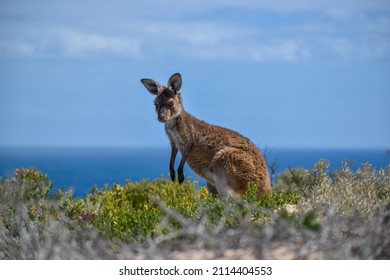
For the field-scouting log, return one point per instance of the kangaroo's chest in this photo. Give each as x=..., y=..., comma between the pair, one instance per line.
x=176, y=139
x=181, y=137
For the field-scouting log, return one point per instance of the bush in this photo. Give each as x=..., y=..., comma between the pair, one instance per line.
x=136, y=210
x=33, y=226
x=27, y=189
x=30, y=184
x=310, y=214
x=293, y=180
x=351, y=193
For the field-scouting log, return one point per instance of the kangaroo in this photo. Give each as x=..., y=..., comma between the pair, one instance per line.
x=228, y=161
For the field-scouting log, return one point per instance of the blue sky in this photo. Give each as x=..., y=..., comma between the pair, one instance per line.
x=301, y=74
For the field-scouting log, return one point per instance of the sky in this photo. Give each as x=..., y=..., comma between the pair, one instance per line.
x=296, y=74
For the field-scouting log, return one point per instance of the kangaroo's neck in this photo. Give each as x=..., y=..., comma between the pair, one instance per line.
x=183, y=130
x=180, y=122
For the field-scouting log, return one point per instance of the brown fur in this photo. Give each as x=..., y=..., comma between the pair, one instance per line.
x=227, y=160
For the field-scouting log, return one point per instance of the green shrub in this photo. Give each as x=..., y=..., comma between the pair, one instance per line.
x=30, y=187
x=137, y=210
x=293, y=180
x=132, y=212
x=353, y=193
x=339, y=214
x=24, y=207
x=30, y=184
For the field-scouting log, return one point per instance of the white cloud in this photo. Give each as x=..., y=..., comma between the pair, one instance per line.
x=195, y=29
x=287, y=50
x=76, y=43
x=63, y=43
x=338, y=8
x=276, y=50
x=12, y=48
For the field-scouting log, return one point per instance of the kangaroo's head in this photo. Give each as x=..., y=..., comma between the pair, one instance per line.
x=168, y=99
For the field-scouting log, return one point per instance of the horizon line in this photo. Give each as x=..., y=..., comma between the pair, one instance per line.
x=262, y=148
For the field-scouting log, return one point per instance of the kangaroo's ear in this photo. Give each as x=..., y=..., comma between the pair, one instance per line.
x=152, y=86
x=174, y=82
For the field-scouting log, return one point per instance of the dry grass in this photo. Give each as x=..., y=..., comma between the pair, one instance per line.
x=340, y=215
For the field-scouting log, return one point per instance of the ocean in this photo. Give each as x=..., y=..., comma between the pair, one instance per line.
x=80, y=169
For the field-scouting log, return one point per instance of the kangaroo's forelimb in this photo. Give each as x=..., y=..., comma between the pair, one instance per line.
x=172, y=173
x=180, y=170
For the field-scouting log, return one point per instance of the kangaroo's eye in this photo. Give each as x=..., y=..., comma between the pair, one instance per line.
x=170, y=104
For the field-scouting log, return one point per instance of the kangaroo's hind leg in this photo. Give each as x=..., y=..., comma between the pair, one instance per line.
x=234, y=172
x=211, y=188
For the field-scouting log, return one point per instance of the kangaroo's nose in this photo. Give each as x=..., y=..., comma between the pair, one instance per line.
x=161, y=112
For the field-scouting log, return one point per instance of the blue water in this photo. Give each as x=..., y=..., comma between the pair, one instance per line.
x=80, y=169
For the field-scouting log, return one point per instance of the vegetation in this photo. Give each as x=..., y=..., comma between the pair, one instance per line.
x=311, y=214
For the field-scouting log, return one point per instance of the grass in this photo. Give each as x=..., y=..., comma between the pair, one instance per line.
x=311, y=214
